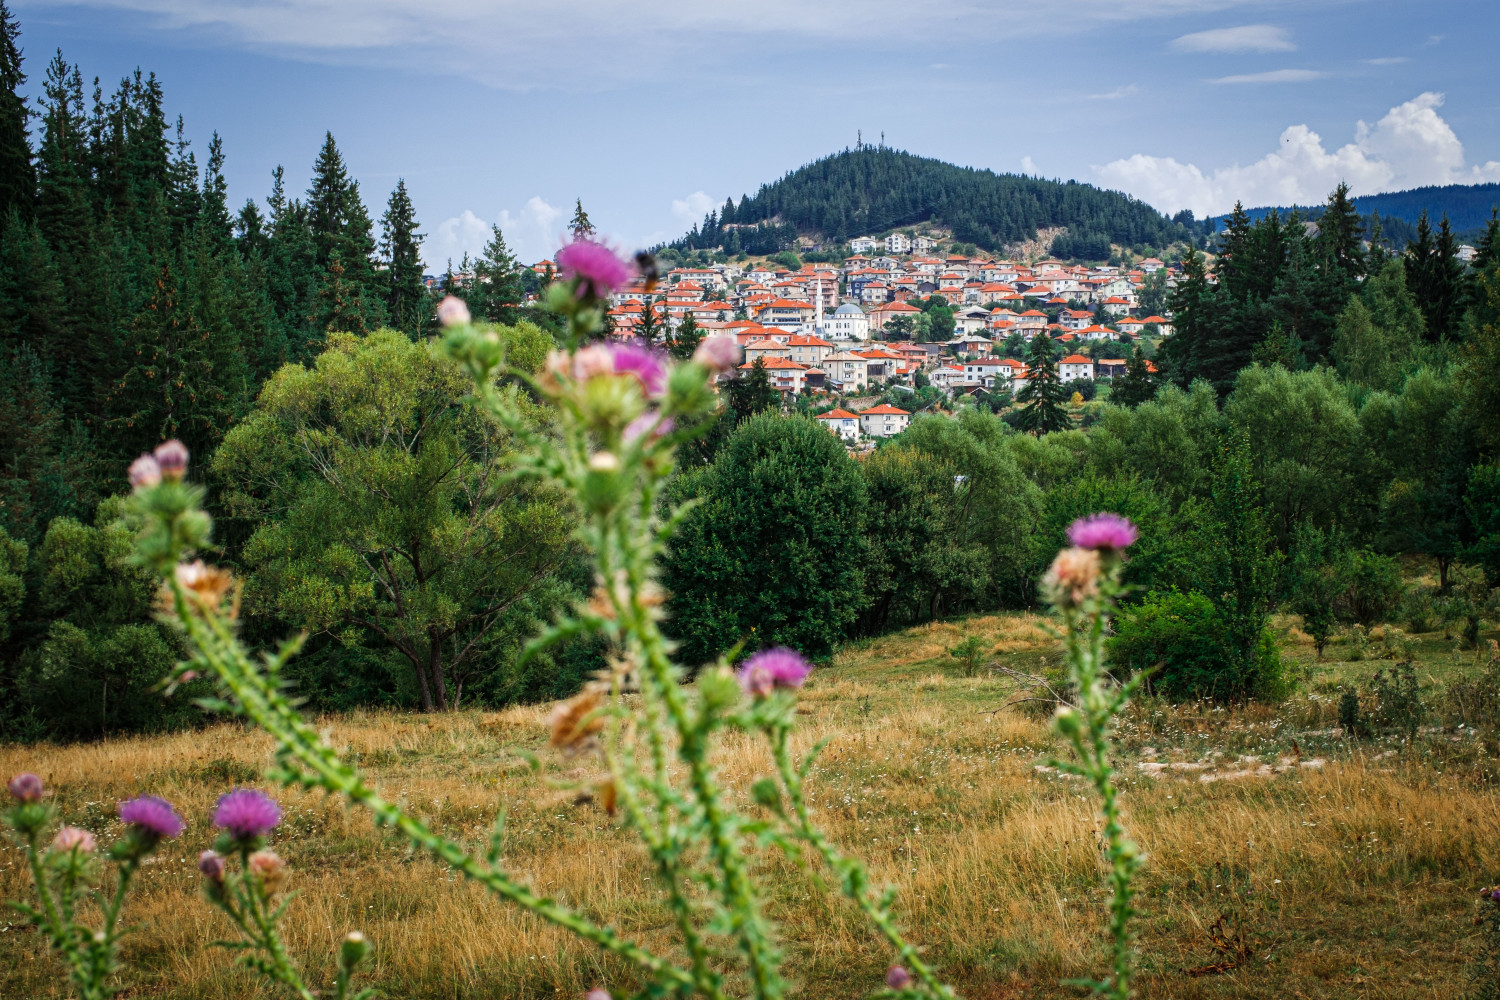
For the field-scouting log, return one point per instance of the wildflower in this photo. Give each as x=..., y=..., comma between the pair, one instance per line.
x=25, y=787
x=172, y=458
x=897, y=978
x=247, y=813
x=211, y=864
x=151, y=815
x=645, y=422
x=718, y=353
x=269, y=870
x=574, y=722
x=206, y=585
x=598, y=993
x=1107, y=532
x=595, y=266
x=593, y=360
x=773, y=668
x=73, y=838
x=144, y=473
x=1073, y=578
x=645, y=364
x=453, y=311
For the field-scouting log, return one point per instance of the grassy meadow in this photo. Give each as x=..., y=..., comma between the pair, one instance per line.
x=1283, y=859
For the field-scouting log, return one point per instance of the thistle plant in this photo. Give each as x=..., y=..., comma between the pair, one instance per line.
x=645, y=726
x=1083, y=583
x=63, y=868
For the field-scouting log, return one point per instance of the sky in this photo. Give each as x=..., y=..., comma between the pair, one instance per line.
x=504, y=112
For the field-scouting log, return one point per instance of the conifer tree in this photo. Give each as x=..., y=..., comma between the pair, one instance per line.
x=650, y=326
x=1435, y=276
x=215, y=196
x=1042, y=398
x=1137, y=385
x=582, y=228
x=497, y=287
x=17, y=172
x=401, y=254
x=1487, y=250
x=686, y=338
x=348, y=296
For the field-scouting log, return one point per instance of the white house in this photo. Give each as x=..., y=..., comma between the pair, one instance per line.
x=923, y=244
x=841, y=422
x=862, y=244
x=1074, y=366
x=848, y=369
x=898, y=243
x=847, y=322
x=884, y=420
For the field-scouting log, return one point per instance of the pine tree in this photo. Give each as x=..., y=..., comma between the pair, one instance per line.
x=1487, y=250
x=349, y=297
x=1042, y=398
x=650, y=326
x=1137, y=385
x=215, y=196
x=497, y=287
x=1435, y=276
x=582, y=228
x=686, y=338
x=17, y=172
x=401, y=253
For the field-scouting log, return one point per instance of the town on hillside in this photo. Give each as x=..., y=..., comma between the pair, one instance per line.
x=895, y=321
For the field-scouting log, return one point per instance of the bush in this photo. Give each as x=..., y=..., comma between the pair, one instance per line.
x=1182, y=637
x=1374, y=591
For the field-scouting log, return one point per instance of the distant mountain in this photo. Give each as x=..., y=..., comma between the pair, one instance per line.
x=872, y=190
x=1467, y=206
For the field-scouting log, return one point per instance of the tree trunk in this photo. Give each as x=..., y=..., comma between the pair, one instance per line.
x=1443, y=562
x=422, y=682
x=435, y=669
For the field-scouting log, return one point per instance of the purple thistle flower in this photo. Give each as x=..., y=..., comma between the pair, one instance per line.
x=645, y=364
x=897, y=978
x=595, y=265
x=1103, y=531
x=773, y=668
x=172, y=458
x=211, y=864
x=152, y=814
x=25, y=787
x=247, y=813
x=644, y=423
x=144, y=473
x=718, y=353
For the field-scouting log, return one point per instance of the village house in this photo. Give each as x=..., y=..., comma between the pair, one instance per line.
x=1109, y=367
x=847, y=370
x=1074, y=366
x=808, y=350
x=841, y=422
x=766, y=349
x=862, y=244
x=883, y=314
x=788, y=376
x=884, y=420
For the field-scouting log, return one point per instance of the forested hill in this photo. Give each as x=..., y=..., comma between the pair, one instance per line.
x=871, y=190
x=1467, y=207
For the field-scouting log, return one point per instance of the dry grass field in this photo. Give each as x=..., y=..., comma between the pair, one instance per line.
x=1297, y=862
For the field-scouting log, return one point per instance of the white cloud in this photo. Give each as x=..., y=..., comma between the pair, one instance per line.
x=532, y=233
x=1246, y=38
x=1387, y=60
x=1129, y=90
x=693, y=208
x=1028, y=166
x=1274, y=76
x=521, y=44
x=1411, y=146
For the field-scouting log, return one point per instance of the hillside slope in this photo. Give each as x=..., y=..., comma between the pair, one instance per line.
x=875, y=189
x=1467, y=207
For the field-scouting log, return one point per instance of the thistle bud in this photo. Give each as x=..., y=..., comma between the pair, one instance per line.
x=172, y=458
x=144, y=473
x=1067, y=721
x=25, y=787
x=71, y=838
x=211, y=864
x=453, y=311
x=897, y=978
x=269, y=870
x=353, y=951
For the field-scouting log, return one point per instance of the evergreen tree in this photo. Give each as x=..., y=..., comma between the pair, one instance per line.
x=348, y=296
x=650, y=326
x=686, y=338
x=1043, y=398
x=17, y=173
x=400, y=252
x=1137, y=385
x=497, y=293
x=1435, y=276
x=214, y=217
x=580, y=225
x=752, y=392
x=1487, y=250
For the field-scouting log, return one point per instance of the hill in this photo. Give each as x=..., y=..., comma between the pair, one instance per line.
x=1467, y=207
x=872, y=190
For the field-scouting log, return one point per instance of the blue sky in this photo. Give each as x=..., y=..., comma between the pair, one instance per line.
x=505, y=111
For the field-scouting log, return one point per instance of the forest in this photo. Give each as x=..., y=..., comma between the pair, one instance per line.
x=873, y=189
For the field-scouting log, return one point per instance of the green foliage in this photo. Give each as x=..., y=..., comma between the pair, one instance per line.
x=970, y=654
x=1482, y=503
x=774, y=553
x=1189, y=651
x=406, y=300
x=1042, y=398
x=876, y=189
x=1317, y=579
x=1372, y=587
x=382, y=516
x=1379, y=331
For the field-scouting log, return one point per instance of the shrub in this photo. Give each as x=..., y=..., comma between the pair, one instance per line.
x=970, y=654
x=1374, y=591
x=1398, y=700
x=1182, y=638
